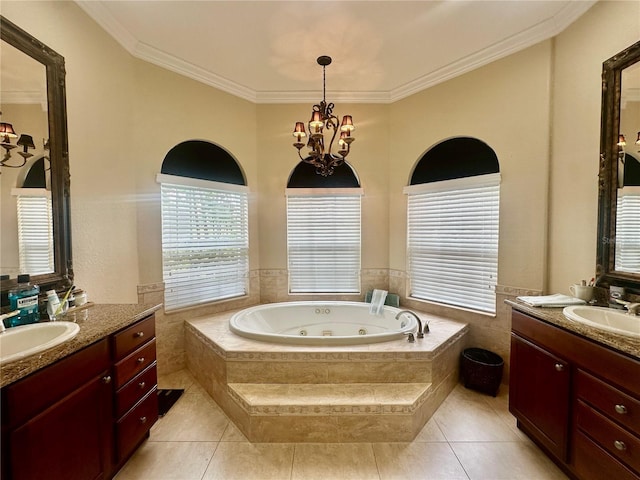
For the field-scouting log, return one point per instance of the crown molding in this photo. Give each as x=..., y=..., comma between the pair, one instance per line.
x=540, y=32
x=527, y=38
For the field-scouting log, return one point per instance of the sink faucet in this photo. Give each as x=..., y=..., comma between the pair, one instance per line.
x=420, y=331
x=7, y=315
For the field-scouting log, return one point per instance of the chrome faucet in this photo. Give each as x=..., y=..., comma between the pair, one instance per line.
x=632, y=308
x=7, y=315
x=420, y=333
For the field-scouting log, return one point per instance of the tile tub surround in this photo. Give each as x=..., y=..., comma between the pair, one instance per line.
x=96, y=322
x=292, y=393
x=628, y=345
x=470, y=437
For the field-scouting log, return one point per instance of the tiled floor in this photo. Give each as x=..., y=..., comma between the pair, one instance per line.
x=471, y=436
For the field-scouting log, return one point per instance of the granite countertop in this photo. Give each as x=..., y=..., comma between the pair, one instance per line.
x=622, y=343
x=97, y=321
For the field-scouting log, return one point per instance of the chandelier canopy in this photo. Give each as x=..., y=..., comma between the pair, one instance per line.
x=324, y=122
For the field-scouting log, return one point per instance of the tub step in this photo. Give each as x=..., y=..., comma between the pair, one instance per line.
x=329, y=399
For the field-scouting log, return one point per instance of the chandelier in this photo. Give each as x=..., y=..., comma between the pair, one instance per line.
x=324, y=122
x=25, y=141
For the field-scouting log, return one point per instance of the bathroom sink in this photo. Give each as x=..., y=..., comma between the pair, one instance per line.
x=19, y=342
x=608, y=319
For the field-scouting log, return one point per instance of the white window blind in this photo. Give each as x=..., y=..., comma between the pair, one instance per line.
x=323, y=242
x=627, y=228
x=205, y=241
x=453, y=241
x=35, y=230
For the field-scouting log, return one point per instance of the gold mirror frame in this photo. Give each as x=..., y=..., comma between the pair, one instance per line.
x=62, y=276
x=608, y=174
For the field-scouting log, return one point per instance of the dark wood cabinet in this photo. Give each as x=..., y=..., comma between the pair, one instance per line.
x=83, y=416
x=539, y=394
x=136, y=399
x=56, y=423
x=577, y=399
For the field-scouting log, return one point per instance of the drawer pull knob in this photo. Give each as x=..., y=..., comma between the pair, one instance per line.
x=619, y=445
x=559, y=367
x=621, y=409
x=139, y=334
x=142, y=384
x=143, y=419
x=106, y=379
x=141, y=360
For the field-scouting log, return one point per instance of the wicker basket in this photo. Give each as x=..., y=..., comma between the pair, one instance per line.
x=481, y=370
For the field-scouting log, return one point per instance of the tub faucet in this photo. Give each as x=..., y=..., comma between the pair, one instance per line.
x=633, y=308
x=420, y=331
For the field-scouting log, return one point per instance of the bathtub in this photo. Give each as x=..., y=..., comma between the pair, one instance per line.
x=320, y=323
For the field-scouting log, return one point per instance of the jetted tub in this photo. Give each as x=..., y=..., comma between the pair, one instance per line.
x=321, y=323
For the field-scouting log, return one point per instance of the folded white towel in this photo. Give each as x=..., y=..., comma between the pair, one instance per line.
x=557, y=300
x=377, y=302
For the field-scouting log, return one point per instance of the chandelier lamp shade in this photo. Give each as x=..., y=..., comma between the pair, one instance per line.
x=323, y=129
x=25, y=141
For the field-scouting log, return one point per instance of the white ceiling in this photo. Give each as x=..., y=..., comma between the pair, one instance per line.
x=265, y=51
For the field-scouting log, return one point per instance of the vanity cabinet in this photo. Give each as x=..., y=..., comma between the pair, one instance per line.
x=539, y=393
x=56, y=423
x=577, y=399
x=83, y=416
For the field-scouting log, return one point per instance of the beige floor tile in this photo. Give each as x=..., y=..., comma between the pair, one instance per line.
x=334, y=461
x=401, y=461
x=505, y=461
x=233, y=434
x=430, y=433
x=194, y=417
x=181, y=379
x=168, y=461
x=465, y=416
x=251, y=461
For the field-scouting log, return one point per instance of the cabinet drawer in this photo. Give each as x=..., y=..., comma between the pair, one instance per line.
x=133, y=427
x=590, y=462
x=611, y=437
x=134, y=363
x=612, y=402
x=137, y=388
x=132, y=337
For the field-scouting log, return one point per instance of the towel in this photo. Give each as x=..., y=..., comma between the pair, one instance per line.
x=377, y=302
x=557, y=300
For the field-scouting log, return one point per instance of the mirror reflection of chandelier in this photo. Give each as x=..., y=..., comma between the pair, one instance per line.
x=322, y=122
x=25, y=141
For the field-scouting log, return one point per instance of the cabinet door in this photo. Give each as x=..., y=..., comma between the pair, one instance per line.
x=539, y=394
x=69, y=440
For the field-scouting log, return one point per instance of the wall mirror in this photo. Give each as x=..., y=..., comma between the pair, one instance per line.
x=33, y=103
x=618, y=257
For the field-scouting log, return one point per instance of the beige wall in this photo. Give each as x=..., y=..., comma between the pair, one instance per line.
x=603, y=31
x=504, y=104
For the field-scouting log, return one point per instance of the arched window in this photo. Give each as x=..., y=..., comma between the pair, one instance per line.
x=205, y=239
x=452, y=225
x=35, y=217
x=323, y=230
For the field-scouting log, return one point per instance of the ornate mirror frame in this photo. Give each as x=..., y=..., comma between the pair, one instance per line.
x=608, y=175
x=62, y=276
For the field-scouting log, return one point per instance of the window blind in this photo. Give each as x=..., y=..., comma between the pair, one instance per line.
x=453, y=241
x=323, y=243
x=627, y=228
x=35, y=230
x=205, y=242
